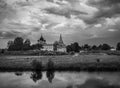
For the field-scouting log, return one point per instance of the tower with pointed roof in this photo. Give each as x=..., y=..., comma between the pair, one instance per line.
x=61, y=40
x=61, y=46
x=42, y=40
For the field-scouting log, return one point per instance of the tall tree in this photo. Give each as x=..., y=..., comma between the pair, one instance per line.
x=86, y=47
x=94, y=47
x=10, y=45
x=26, y=45
x=100, y=47
x=118, y=46
x=106, y=47
x=37, y=46
x=69, y=49
x=55, y=45
x=76, y=47
x=73, y=47
x=18, y=43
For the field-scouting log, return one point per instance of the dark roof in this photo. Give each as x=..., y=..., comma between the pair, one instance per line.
x=42, y=39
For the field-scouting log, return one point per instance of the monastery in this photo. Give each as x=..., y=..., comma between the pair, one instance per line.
x=60, y=47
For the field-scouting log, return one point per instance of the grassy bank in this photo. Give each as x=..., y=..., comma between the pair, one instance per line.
x=61, y=63
x=32, y=53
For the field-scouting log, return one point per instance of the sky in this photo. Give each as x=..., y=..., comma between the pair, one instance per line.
x=83, y=21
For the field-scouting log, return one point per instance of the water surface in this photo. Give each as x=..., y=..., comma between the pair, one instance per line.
x=59, y=80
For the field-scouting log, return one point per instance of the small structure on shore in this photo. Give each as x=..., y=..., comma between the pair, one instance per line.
x=76, y=54
x=113, y=49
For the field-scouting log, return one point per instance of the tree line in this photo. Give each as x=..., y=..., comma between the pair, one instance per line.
x=20, y=44
x=74, y=47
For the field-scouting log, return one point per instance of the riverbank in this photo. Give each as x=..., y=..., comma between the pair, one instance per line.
x=93, y=62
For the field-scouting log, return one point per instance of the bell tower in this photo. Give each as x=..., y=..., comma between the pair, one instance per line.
x=42, y=40
x=61, y=40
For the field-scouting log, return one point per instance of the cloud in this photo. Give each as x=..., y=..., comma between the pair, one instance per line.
x=6, y=11
x=75, y=19
x=107, y=8
x=70, y=26
x=104, y=9
x=104, y=2
x=67, y=12
x=10, y=34
x=73, y=2
x=112, y=30
x=98, y=25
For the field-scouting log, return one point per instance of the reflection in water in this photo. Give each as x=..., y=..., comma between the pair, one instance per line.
x=61, y=80
x=50, y=75
x=94, y=83
x=36, y=75
x=18, y=73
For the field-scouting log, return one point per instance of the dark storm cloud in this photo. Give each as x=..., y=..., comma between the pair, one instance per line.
x=104, y=2
x=63, y=11
x=107, y=9
x=109, y=12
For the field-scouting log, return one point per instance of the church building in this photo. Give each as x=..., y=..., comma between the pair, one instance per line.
x=61, y=47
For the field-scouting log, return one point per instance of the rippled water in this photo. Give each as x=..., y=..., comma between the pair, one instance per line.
x=59, y=80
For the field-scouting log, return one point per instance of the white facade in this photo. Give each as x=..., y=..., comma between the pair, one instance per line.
x=48, y=47
x=61, y=49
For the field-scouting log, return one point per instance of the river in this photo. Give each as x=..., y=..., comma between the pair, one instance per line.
x=59, y=80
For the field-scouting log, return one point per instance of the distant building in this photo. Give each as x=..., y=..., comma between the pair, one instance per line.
x=42, y=41
x=61, y=47
x=48, y=47
x=113, y=49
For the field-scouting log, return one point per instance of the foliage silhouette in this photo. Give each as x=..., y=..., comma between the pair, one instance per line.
x=36, y=75
x=18, y=73
x=50, y=75
x=118, y=46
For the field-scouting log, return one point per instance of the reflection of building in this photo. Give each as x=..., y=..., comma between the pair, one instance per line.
x=50, y=47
